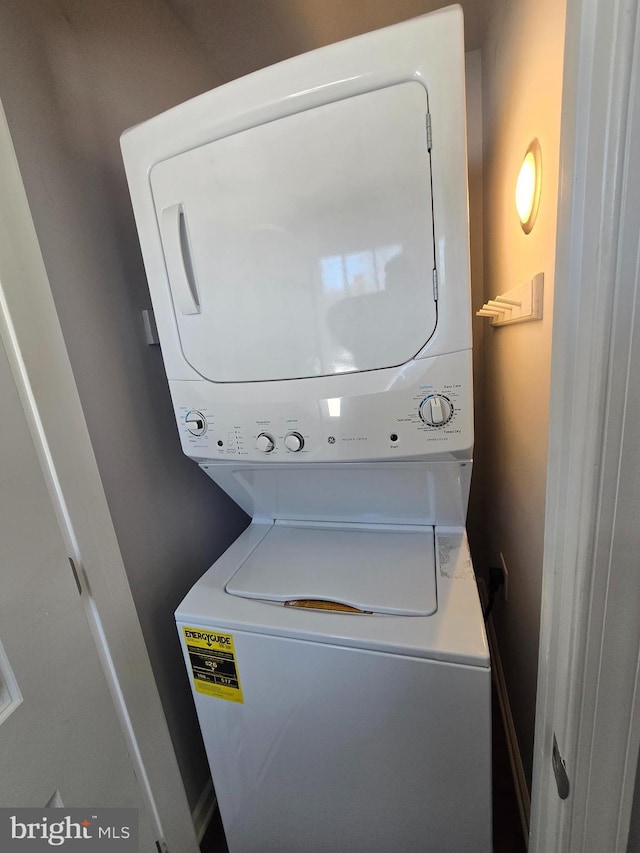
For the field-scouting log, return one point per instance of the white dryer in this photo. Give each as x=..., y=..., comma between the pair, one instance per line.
x=304, y=232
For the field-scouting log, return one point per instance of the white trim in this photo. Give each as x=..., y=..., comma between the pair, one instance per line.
x=56, y=494
x=10, y=693
x=609, y=699
x=37, y=354
x=587, y=588
x=513, y=746
x=204, y=810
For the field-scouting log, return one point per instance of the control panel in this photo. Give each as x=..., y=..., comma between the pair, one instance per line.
x=426, y=412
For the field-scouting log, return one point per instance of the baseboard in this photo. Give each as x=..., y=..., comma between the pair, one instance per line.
x=204, y=810
x=515, y=758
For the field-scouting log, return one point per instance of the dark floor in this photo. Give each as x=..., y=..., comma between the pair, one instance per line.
x=507, y=828
x=507, y=832
x=214, y=840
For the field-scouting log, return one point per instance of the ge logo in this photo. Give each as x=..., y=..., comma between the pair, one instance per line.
x=332, y=439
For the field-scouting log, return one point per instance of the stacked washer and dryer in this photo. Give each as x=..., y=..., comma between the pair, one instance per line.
x=305, y=236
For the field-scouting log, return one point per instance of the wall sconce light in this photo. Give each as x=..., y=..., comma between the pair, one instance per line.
x=528, y=187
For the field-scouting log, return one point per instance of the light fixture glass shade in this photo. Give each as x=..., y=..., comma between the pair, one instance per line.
x=528, y=187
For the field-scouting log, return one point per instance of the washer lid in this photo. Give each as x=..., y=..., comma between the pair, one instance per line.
x=374, y=570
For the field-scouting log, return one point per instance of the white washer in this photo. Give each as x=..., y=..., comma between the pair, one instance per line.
x=305, y=236
x=341, y=732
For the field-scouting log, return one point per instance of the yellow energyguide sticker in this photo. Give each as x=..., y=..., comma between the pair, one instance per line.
x=213, y=663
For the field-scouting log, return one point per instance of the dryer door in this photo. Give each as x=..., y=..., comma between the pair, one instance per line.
x=304, y=247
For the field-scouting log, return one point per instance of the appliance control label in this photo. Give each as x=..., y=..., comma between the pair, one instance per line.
x=213, y=663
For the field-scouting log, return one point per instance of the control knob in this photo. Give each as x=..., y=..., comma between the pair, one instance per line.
x=436, y=410
x=294, y=442
x=196, y=422
x=265, y=442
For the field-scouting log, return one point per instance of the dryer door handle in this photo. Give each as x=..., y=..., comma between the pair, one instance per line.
x=177, y=253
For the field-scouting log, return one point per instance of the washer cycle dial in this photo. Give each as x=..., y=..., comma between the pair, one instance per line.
x=436, y=410
x=265, y=442
x=196, y=422
x=293, y=441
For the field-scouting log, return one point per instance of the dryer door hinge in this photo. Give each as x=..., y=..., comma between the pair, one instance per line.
x=428, y=124
x=435, y=284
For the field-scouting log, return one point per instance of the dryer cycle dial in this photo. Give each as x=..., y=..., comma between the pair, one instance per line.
x=436, y=410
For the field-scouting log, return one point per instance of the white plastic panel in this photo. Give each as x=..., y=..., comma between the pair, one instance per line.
x=376, y=570
x=373, y=492
x=338, y=750
x=303, y=247
x=454, y=633
x=357, y=416
x=429, y=49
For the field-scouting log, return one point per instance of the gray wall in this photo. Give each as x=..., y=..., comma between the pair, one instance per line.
x=522, y=82
x=244, y=35
x=476, y=522
x=73, y=76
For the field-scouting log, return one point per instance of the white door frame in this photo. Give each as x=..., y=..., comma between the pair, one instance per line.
x=32, y=337
x=590, y=622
